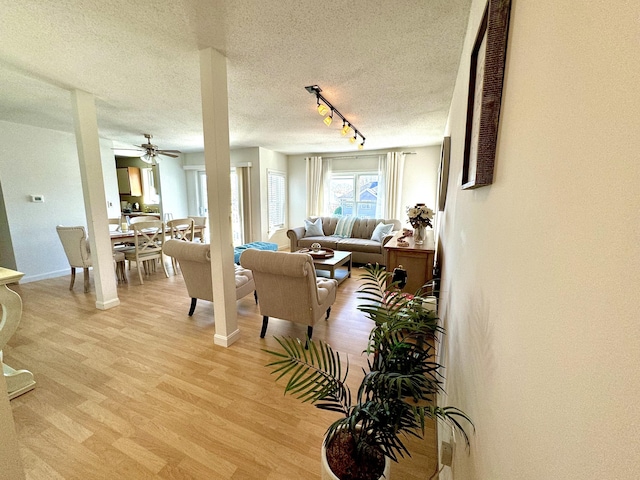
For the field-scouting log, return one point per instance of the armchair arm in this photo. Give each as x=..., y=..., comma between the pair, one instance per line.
x=294, y=235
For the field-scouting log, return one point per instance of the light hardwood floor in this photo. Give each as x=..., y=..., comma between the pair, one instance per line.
x=140, y=391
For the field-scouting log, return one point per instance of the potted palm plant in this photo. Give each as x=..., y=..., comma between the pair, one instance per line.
x=395, y=397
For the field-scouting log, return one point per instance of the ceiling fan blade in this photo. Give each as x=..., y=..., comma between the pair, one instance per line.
x=127, y=152
x=170, y=151
x=161, y=152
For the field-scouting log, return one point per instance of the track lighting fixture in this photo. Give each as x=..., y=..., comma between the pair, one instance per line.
x=325, y=107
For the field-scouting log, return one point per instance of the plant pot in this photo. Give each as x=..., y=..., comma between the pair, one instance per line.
x=327, y=474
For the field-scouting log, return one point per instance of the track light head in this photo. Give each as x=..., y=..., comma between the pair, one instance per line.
x=345, y=129
x=329, y=119
x=353, y=139
x=322, y=109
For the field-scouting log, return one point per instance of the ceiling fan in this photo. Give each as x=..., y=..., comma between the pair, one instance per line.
x=149, y=152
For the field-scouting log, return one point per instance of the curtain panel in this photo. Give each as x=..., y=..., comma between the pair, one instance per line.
x=393, y=173
x=315, y=186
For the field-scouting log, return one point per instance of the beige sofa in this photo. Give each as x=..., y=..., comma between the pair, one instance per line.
x=363, y=249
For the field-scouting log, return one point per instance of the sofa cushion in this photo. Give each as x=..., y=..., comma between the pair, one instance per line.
x=381, y=230
x=359, y=245
x=326, y=242
x=364, y=227
x=313, y=228
x=344, y=227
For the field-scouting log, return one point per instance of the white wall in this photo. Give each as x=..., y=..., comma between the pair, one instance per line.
x=419, y=182
x=173, y=186
x=542, y=268
x=45, y=162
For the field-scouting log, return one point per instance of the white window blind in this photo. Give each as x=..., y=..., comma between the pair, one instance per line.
x=276, y=191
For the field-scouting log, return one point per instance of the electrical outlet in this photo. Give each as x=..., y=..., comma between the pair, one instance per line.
x=446, y=454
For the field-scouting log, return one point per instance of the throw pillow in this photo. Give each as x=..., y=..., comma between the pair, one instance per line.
x=381, y=231
x=344, y=227
x=313, y=228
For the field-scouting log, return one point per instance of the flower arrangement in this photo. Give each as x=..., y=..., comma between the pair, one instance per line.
x=420, y=215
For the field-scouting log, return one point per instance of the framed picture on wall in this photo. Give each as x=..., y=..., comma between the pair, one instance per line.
x=443, y=172
x=485, y=92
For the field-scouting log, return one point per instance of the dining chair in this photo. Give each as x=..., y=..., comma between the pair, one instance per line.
x=180, y=229
x=142, y=218
x=148, y=243
x=76, y=247
x=200, y=223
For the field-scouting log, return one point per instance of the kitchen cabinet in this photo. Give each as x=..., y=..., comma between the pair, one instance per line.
x=129, y=181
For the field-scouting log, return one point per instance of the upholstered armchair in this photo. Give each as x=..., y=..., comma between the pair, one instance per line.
x=287, y=287
x=195, y=264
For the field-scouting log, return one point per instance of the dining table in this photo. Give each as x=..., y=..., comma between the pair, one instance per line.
x=118, y=236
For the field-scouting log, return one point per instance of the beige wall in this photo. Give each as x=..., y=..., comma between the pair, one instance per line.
x=542, y=268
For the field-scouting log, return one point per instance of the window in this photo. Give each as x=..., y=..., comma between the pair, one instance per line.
x=237, y=230
x=149, y=191
x=236, y=209
x=353, y=194
x=276, y=192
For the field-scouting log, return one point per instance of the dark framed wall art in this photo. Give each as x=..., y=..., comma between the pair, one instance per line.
x=485, y=92
x=443, y=172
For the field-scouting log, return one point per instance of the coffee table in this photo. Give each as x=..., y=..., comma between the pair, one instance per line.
x=332, y=266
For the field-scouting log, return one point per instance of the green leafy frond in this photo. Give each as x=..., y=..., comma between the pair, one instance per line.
x=314, y=375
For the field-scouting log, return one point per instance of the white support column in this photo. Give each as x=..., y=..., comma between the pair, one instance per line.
x=95, y=200
x=215, y=122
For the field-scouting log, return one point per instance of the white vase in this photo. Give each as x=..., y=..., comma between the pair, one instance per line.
x=327, y=474
x=419, y=235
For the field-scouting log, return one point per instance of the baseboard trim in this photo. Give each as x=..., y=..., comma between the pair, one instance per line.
x=108, y=304
x=228, y=340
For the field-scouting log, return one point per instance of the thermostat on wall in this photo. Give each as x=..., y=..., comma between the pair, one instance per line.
x=37, y=198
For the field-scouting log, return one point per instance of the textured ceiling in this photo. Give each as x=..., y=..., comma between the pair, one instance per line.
x=388, y=66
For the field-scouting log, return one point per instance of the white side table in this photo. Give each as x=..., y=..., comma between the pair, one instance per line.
x=18, y=381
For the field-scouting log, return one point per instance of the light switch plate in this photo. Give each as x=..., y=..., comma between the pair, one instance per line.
x=37, y=198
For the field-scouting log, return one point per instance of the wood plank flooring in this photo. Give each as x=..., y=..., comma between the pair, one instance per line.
x=141, y=392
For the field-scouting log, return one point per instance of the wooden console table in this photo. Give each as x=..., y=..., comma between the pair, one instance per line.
x=18, y=381
x=417, y=260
